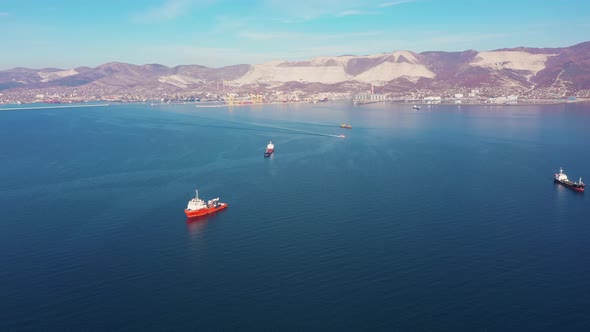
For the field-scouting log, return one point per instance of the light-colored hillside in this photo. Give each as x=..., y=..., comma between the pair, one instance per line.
x=388, y=71
x=331, y=70
x=270, y=73
x=180, y=81
x=516, y=60
x=52, y=76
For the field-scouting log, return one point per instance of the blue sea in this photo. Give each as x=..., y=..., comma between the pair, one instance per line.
x=439, y=219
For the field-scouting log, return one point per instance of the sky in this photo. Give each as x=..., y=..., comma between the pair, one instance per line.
x=215, y=33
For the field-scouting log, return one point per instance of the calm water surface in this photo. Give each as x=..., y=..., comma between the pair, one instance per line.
x=440, y=219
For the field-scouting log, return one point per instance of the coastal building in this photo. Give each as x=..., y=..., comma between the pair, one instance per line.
x=512, y=99
x=369, y=97
x=433, y=100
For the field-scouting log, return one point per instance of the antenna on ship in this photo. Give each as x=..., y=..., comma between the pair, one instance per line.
x=197, y=193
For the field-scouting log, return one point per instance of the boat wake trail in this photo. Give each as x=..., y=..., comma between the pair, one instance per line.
x=316, y=124
x=283, y=129
x=296, y=131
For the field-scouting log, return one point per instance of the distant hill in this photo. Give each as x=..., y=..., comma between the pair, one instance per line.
x=518, y=68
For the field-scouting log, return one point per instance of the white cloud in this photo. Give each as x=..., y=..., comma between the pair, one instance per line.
x=353, y=13
x=301, y=11
x=226, y=23
x=3, y=14
x=168, y=10
x=304, y=46
x=307, y=37
x=462, y=38
x=394, y=3
x=175, y=54
x=262, y=35
x=307, y=10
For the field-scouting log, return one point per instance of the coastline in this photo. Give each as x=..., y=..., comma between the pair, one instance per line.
x=216, y=104
x=48, y=107
x=528, y=102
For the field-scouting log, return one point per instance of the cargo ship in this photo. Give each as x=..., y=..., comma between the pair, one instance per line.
x=347, y=126
x=197, y=207
x=561, y=178
x=270, y=148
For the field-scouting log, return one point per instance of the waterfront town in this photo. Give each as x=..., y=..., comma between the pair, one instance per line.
x=506, y=76
x=456, y=95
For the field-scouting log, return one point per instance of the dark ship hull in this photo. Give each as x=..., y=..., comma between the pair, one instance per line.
x=572, y=185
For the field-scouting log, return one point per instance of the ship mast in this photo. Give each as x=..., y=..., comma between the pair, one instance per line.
x=197, y=197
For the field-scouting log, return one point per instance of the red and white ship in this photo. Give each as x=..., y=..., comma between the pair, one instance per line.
x=197, y=207
x=561, y=178
x=270, y=148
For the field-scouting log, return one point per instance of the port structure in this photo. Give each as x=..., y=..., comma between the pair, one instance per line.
x=246, y=100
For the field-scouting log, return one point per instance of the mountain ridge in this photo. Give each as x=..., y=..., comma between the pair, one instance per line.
x=522, y=69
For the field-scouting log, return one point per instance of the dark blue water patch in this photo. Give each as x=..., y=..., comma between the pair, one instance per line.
x=442, y=219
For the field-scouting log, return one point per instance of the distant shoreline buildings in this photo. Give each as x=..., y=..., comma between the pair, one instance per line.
x=427, y=97
x=508, y=76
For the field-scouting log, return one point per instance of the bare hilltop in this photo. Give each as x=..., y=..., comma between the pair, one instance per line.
x=531, y=73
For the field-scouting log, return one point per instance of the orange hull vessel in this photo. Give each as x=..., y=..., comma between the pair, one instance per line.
x=197, y=207
x=202, y=212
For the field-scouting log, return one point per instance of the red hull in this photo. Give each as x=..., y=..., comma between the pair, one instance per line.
x=579, y=189
x=202, y=212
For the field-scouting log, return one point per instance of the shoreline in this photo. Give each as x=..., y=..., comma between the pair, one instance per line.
x=524, y=103
x=221, y=104
x=48, y=107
